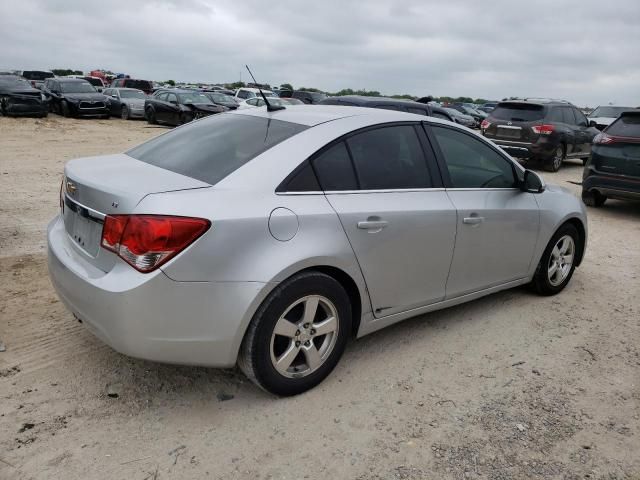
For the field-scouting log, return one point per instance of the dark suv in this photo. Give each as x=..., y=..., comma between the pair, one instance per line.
x=75, y=97
x=310, y=98
x=546, y=130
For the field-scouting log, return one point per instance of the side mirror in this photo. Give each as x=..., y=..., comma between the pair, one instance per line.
x=114, y=95
x=532, y=183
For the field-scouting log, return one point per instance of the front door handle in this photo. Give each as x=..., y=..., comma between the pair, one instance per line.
x=472, y=220
x=373, y=225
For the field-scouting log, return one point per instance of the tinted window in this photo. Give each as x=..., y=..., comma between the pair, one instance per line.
x=419, y=111
x=162, y=96
x=139, y=84
x=611, y=112
x=216, y=146
x=555, y=115
x=625, y=126
x=389, y=158
x=252, y=101
x=243, y=94
x=303, y=180
x=334, y=169
x=388, y=107
x=518, y=112
x=171, y=97
x=580, y=118
x=471, y=163
x=567, y=116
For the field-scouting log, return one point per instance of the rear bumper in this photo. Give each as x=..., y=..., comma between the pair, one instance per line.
x=542, y=150
x=150, y=316
x=615, y=186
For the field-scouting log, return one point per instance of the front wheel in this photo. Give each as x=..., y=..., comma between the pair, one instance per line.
x=151, y=116
x=64, y=109
x=298, y=335
x=557, y=264
x=593, y=198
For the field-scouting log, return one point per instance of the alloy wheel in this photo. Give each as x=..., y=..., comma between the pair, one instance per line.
x=561, y=260
x=304, y=336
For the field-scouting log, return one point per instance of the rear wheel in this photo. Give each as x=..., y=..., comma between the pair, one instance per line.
x=593, y=198
x=298, y=335
x=558, y=261
x=151, y=116
x=554, y=163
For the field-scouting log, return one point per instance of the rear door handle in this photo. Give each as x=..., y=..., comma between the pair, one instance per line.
x=373, y=225
x=472, y=220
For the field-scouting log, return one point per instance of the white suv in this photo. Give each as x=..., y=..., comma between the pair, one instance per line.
x=245, y=93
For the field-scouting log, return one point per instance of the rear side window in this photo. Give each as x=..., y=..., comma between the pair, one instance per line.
x=334, y=169
x=567, y=116
x=214, y=147
x=555, y=115
x=518, y=112
x=389, y=158
x=625, y=126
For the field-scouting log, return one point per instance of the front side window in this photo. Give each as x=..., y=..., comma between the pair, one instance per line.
x=171, y=98
x=252, y=102
x=471, y=163
x=581, y=120
x=389, y=158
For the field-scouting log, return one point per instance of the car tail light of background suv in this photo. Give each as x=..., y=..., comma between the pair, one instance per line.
x=485, y=124
x=544, y=129
x=147, y=241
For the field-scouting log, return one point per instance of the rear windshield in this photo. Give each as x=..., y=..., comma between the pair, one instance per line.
x=518, y=112
x=212, y=148
x=36, y=75
x=625, y=126
x=139, y=84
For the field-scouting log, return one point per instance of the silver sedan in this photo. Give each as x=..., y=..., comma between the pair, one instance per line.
x=268, y=239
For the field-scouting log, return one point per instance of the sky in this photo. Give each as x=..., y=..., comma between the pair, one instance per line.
x=584, y=51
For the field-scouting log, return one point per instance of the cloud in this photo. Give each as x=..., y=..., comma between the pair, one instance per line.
x=581, y=50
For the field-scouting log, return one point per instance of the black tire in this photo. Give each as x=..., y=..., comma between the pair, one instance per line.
x=124, y=113
x=593, y=198
x=182, y=119
x=255, y=353
x=585, y=160
x=64, y=109
x=151, y=116
x=541, y=281
x=554, y=163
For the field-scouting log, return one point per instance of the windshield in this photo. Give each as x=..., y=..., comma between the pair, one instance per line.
x=212, y=148
x=77, y=87
x=132, y=94
x=187, y=98
x=317, y=97
x=609, y=112
x=518, y=112
x=221, y=97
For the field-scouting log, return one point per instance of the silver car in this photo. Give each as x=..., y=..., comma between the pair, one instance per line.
x=268, y=239
x=126, y=103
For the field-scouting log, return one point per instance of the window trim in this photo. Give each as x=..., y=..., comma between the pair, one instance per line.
x=429, y=155
x=444, y=170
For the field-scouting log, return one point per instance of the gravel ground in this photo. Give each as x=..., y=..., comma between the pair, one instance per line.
x=510, y=386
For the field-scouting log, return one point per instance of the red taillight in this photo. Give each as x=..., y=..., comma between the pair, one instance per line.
x=147, y=241
x=485, y=124
x=603, y=139
x=543, y=129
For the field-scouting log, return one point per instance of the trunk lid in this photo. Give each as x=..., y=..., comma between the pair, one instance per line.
x=111, y=184
x=512, y=121
x=619, y=158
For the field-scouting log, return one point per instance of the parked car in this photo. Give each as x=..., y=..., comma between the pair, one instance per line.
x=389, y=104
x=37, y=77
x=244, y=93
x=145, y=85
x=259, y=102
x=310, y=98
x=461, y=118
x=546, y=130
x=613, y=170
x=18, y=97
x=126, y=103
x=176, y=107
x=74, y=97
x=488, y=107
x=603, y=116
x=268, y=239
x=477, y=115
x=222, y=99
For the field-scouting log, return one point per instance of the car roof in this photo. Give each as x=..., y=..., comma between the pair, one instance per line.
x=71, y=80
x=311, y=115
x=541, y=102
x=381, y=100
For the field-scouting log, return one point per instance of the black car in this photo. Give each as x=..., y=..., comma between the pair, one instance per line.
x=478, y=115
x=613, y=170
x=18, y=97
x=37, y=77
x=546, y=130
x=74, y=97
x=222, y=99
x=176, y=107
x=310, y=98
x=390, y=104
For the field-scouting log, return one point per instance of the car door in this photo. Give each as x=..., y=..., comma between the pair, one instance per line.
x=497, y=223
x=398, y=218
x=584, y=133
x=572, y=137
x=172, y=109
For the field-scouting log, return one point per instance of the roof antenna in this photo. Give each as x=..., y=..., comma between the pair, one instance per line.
x=270, y=108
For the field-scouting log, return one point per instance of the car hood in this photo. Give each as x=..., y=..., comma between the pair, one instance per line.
x=602, y=120
x=98, y=97
x=18, y=89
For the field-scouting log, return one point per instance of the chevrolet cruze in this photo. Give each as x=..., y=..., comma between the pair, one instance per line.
x=268, y=238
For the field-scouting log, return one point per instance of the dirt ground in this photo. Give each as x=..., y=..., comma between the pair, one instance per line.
x=512, y=386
